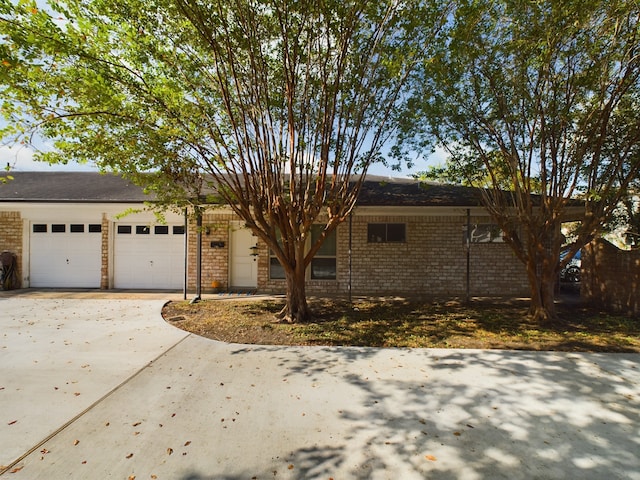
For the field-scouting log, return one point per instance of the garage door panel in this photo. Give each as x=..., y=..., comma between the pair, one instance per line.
x=62, y=258
x=149, y=258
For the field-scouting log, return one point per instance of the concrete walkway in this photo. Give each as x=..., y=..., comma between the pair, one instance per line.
x=103, y=388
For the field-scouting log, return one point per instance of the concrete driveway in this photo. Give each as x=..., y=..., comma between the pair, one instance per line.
x=103, y=388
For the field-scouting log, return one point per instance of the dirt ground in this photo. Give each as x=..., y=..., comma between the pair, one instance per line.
x=394, y=322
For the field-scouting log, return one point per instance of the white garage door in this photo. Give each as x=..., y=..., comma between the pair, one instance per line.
x=65, y=255
x=149, y=257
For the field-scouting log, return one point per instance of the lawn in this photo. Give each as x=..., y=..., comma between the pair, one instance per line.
x=486, y=324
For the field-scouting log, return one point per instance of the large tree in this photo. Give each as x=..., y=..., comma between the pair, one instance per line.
x=283, y=104
x=537, y=103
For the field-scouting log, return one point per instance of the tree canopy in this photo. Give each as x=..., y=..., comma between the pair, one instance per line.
x=541, y=100
x=279, y=105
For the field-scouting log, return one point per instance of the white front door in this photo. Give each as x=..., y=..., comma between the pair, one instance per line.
x=244, y=257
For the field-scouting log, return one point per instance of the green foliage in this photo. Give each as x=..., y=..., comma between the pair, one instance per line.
x=539, y=99
x=273, y=107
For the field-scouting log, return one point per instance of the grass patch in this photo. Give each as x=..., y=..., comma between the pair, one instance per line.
x=412, y=324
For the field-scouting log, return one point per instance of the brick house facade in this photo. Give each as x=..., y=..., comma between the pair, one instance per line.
x=425, y=254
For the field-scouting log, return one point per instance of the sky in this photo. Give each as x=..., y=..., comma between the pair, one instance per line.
x=20, y=159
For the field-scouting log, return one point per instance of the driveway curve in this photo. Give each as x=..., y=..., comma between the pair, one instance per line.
x=103, y=388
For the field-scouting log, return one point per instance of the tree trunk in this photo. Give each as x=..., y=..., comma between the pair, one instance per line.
x=296, y=309
x=542, y=285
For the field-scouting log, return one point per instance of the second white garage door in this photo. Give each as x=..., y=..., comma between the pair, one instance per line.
x=148, y=257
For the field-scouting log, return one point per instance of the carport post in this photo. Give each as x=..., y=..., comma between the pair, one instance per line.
x=468, y=247
x=186, y=254
x=196, y=299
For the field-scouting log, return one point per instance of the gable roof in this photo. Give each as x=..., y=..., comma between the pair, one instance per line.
x=94, y=187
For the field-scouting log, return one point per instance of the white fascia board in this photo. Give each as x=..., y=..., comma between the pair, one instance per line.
x=86, y=212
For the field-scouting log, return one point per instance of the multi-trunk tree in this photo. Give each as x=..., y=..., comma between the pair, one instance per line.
x=537, y=104
x=279, y=106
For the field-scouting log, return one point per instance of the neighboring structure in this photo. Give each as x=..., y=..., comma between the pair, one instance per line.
x=611, y=277
x=68, y=230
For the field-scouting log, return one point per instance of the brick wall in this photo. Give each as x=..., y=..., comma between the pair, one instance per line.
x=11, y=236
x=432, y=261
x=104, y=268
x=215, y=261
x=611, y=277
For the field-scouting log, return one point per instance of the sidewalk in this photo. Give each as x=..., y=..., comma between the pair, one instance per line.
x=165, y=404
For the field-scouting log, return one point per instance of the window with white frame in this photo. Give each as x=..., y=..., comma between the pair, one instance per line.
x=323, y=264
x=276, y=270
x=484, y=233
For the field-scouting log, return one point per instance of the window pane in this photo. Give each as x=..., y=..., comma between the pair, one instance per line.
x=276, y=271
x=328, y=248
x=323, y=268
x=142, y=230
x=40, y=228
x=124, y=228
x=58, y=228
x=178, y=229
x=161, y=230
x=376, y=232
x=396, y=232
x=278, y=239
x=95, y=228
x=76, y=228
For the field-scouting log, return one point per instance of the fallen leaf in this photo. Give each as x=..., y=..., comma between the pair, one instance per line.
x=129, y=456
x=77, y=394
x=106, y=424
x=290, y=467
x=169, y=451
x=154, y=477
x=457, y=434
x=76, y=442
x=131, y=477
x=431, y=458
x=84, y=462
x=16, y=469
x=187, y=443
x=44, y=451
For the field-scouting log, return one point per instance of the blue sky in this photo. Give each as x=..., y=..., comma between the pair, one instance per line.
x=20, y=158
